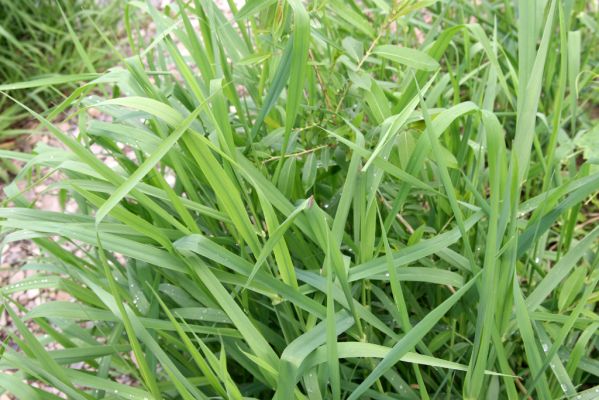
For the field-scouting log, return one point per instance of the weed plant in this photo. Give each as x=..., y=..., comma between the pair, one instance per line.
x=321, y=200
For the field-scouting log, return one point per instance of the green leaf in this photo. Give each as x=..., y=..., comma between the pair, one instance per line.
x=413, y=336
x=409, y=57
x=146, y=166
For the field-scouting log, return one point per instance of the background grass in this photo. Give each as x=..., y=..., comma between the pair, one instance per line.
x=44, y=39
x=321, y=200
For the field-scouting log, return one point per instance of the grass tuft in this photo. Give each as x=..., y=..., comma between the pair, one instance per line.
x=317, y=200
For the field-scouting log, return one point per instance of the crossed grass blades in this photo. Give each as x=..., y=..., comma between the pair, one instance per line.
x=373, y=200
x=40, y=39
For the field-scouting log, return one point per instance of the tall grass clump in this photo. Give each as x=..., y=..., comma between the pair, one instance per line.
x=320, y=200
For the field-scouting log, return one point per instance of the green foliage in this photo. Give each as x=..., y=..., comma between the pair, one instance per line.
x=321, y=200
x=47, y=39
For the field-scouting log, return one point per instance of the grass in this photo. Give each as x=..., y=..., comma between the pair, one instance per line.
x=49, y=42
x=321, y=200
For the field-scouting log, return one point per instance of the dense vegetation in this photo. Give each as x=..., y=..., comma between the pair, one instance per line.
x=43, y=39
x=320, y=200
